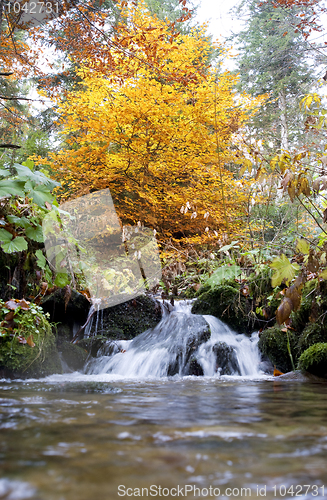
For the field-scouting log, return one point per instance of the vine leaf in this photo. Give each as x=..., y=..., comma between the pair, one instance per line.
x=303, y=246
x=284, y=270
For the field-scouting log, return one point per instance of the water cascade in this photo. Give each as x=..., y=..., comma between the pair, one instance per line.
x=182, y=343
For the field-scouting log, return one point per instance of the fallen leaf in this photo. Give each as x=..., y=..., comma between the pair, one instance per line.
x=24, y=304
x=284, y=310
x=277, y=373
x=21, y=339
x=30, y=342
x=11, y=304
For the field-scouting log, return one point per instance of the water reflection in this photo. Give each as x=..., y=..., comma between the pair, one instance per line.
x=80, y=439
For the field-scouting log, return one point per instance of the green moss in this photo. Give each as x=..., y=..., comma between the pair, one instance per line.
x=314, y=360
x=301, y=317
x=273, y=344
x=226, y=303
x=312, y=334
x=23, y=360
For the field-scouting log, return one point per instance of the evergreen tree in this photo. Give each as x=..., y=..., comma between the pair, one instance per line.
x=273, y=60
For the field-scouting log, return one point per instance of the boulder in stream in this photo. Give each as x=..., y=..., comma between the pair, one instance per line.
x=226, y=359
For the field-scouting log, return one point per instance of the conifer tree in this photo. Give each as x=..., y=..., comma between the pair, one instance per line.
x=273, y=60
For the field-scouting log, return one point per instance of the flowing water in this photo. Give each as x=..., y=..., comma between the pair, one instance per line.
x=118, y=428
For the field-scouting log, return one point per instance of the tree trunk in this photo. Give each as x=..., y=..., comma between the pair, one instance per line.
x=2, y=2
x=283, y=122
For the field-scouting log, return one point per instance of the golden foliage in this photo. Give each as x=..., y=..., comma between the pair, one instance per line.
x=147, y=122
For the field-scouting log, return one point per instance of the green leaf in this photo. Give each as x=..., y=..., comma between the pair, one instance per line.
x=41, y=260
x=5, y=236
x=284, y=270
x=62, y=279
x=35, y=233
x=4, y=173
x=28, y=163
x=303, y=246
x=225, y=248
x=323, y=274
x=223, y=273
x=16, y=245
x=19, y=221
x=40, y=194
x=12, y=187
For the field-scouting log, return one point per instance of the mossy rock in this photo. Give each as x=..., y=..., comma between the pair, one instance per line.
x=273, y=344
x=127, y=320
x=312, y=334
x=301, y=317
x=19, y=360
x=226, y=303
x=314, y=360
x=73, y=355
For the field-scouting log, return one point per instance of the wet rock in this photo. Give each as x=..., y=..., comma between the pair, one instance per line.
x=70, y=314
x=194, y=368
x=299, y=376
x=266, y=367
x=226, y=359
x=73, y=355
x=273, y=344
x=126, y=321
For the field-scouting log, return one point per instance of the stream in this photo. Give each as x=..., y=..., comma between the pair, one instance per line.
x=125, y=429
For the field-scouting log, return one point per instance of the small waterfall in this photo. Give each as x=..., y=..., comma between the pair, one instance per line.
x=182, y=343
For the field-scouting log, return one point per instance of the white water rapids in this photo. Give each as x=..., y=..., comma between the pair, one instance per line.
x=181, y=344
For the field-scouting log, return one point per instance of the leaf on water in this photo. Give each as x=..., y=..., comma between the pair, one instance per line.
x=302, y=246
x=284, y=310
x=30, y=342
x=284, y=270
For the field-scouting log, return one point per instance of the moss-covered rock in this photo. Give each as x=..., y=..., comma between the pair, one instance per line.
x=30, y=351
x=300, y=318
x=312, y=334
x=126, y=321
x=226, y=303
x=273, y=344
x=73, y=355
x=314, y=360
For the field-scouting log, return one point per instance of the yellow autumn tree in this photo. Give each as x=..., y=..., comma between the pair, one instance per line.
x=156, y=128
